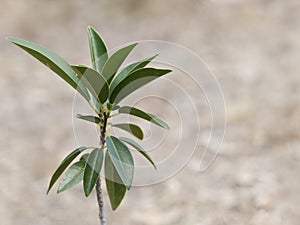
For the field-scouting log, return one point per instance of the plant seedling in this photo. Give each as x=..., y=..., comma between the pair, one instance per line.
x=103, y=86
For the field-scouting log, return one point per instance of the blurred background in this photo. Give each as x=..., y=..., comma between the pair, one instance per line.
x=253, y=48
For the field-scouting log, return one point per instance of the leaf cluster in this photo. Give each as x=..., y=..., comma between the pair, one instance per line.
x=103, y=86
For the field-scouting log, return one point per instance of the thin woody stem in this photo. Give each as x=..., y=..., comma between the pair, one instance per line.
x=100, y=201
x=98, y=188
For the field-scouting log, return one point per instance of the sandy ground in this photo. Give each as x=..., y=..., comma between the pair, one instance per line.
x=253, y=48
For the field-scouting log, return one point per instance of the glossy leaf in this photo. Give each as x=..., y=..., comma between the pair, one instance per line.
x=128, y=69
x=94, y=81
x=84, y=157
x=92, y=170
x=93, y=119
x=72, y=176
x=141, y=114
x=94, y=103
x=115, y=107
x=131, y=128
x=64, y=164
x=97, y=49
x=138, y=148
x=121, y=159
x=54, y=62
x=134, y=81
x=115, y=188
x=115, y=61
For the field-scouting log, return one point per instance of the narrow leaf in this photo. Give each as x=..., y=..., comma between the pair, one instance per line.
x=115, y=188
x=94, y=103
x=72, y=176
x=53, y=61
x=64, y=164
x=84, y=157
x=93, y=119
x=128, y=69
x=115, y=107
x=115, y=61
x=133, y=81
x=92, y=170
x=121, y=159
x=141, y=114
x=139, y=149
x=97, y=49
x=94, y=81
x=131, y=128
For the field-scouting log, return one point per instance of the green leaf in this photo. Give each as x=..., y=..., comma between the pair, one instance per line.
x=72, y=176
x=94, y=103
x=64, y=164
x=84, y=157
x=115, y=61
x=94, y=81
x=54, y=62
x=141, y=114
x=139, y=149
x=128, y=69
x=93, y=119
x=115, y=188
x=131, y=128
x=97, y=49
x=121, y=159
x=92, y=170
x=133, y=81
x=115, y=107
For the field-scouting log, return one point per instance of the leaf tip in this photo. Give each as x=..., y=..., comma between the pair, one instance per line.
x=90, y=28
x=48, y=190
x=141, y=137
x=86, y=193
x=10, y=39
x=155, y=56
x=134, y=44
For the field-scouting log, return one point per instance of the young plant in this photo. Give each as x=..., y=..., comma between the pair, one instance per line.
x=103, y=86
